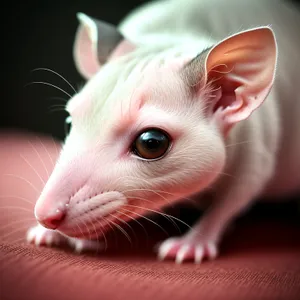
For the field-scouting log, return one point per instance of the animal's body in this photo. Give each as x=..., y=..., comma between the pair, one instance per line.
x=213, y=85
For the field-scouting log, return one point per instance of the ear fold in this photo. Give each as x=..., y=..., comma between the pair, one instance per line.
x=241, y=70
x=95, y=42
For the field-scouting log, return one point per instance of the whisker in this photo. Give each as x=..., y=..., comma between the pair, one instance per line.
x=124, y=222
x=47, y=154
x=55, y=146
x=59, y=98
x=17, y=222
x=39, y=156
x=144, y=189
x=159, y=191
x=80, y=229
x=112, y=229
x=133, y=219
x=35, y=171
x=137, y=214
x=163, y=214
x=58, y=109
x=57, y=106
x=17, y=207
x=166, y=216
x=24, y=179
x=48, y=84
x=122, y=230
x=95, y=230
x=17, y=197
x=3, y=237
x=63, y=78
x=88, y=230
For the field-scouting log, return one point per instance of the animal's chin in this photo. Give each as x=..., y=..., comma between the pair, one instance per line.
x=92, y=217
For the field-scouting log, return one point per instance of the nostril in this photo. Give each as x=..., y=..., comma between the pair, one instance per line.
x=54, y=220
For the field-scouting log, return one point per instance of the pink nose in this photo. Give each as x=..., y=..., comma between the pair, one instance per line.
x=52, y=221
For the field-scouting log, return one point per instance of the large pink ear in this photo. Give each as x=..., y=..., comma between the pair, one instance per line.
x=240, y=70
x=95, y=42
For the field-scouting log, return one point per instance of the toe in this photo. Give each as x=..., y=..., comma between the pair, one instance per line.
x=199, y=253
x=30, y=235
x=185, y=252
x=168, y=248
x=211, y=250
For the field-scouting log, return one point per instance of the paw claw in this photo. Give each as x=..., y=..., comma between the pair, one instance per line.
x=212, y=252
x=199, y=253
x=182, y=254
x=182, y=249
x=38, y=235
x=84, y=245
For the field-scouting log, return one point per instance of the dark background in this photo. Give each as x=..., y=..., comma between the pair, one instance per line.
x=40, y=34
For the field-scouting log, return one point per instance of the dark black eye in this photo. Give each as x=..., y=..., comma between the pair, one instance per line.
x=68, y=124
x=151, y=144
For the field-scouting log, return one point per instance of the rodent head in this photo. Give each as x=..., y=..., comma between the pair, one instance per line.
x=148, y=129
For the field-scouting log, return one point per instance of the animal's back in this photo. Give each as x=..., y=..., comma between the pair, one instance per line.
x=215, y=20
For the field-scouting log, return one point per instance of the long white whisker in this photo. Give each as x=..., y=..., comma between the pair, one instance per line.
x=47, y=154
x=124, y=222
x=63, y=78
x=122, y=230
x=160, y=213
x=133, y=219
x=165, y=215
x=39, y=156
x=3, y=237
x=144, y=189
x=17, y=208
x=24, y=179
x=35, y=171
x=49, y=84
x=137, y=214
x=58, y=106
x=58, y=98
x=55, y=146
x=17, y=197
x=80, y=229
x=17, y=222
x=56, y=110
x=99, y=228
x=112, y=229
x=88, y=230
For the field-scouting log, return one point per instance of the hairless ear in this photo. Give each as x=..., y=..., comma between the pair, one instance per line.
x=240, y=72
x=95, y=42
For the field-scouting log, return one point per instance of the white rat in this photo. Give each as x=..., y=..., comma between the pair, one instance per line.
x=183, y=97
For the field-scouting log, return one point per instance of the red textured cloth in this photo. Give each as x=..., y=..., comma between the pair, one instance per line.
x=259, y=259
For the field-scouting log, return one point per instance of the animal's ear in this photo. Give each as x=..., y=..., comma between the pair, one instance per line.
x=95, y=42
x=239, y=72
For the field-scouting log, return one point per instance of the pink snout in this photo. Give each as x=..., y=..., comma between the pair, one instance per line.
x=53, y=220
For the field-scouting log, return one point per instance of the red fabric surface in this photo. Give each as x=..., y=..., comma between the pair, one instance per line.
x=259, y=259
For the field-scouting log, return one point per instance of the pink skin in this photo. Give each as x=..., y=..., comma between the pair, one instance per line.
x=97, y=179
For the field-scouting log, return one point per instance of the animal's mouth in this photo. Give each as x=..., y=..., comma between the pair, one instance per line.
x=88, y=217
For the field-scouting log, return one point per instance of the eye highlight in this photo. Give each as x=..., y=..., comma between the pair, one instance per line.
x=68, y=124
x=151, y=144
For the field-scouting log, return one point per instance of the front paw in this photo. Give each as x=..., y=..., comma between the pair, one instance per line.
x=41, y=236
x=80, y=245
x=187, y=248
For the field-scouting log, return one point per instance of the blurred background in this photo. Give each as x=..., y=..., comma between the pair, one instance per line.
x=40, y=34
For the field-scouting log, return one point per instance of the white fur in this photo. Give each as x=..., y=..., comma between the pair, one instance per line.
x=258, y=158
